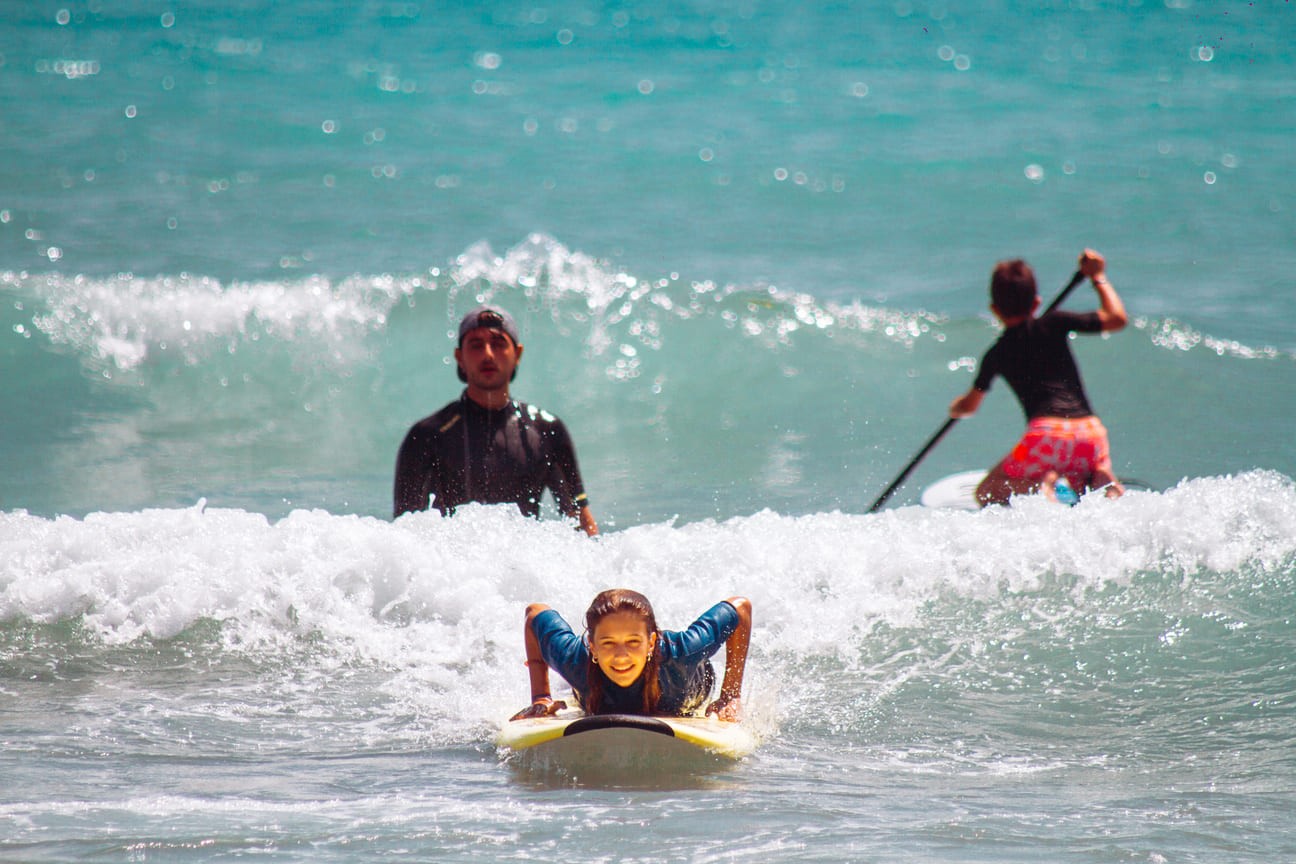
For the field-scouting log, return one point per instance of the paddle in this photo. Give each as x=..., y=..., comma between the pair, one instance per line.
x=949, y=423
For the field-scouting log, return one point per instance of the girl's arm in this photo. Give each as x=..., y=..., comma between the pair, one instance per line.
x=729, y=705
x=542, y=703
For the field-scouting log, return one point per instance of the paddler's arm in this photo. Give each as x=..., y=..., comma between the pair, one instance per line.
x=967, y=404
x=729, y=705
x=1111, y=309
x=542, y=702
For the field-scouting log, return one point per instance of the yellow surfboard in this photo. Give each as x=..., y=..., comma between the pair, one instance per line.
x=629, y=738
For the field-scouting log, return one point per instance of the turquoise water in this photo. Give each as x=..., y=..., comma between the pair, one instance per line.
x=748, y=246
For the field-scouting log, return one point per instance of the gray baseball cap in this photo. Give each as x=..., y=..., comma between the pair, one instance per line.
x=492, y=318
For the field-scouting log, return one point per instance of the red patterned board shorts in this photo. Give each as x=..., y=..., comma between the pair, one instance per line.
x=1076, y=448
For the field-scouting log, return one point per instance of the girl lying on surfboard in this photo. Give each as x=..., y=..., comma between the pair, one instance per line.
x=625, y=664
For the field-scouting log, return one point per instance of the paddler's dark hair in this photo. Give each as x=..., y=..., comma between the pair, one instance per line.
x=1012, y=288
x=609, y=603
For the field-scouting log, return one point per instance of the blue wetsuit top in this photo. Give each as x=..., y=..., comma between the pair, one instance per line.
x=684, y=673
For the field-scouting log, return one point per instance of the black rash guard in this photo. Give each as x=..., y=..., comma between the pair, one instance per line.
x=1037, y=363
x=465, y=452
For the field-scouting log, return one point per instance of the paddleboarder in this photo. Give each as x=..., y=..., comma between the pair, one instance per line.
x=485, y=446
x=1063, y=438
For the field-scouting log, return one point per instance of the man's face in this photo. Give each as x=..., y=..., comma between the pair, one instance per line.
x=488, y=358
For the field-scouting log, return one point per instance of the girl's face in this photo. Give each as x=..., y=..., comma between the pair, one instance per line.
x=621, y=645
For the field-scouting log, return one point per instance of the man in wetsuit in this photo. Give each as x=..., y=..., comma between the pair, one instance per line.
x=1063, y=436
x=484, y=446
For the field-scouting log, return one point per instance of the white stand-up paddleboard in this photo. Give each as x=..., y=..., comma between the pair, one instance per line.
x=955, y=492
x=624, y=747
x=958, y=491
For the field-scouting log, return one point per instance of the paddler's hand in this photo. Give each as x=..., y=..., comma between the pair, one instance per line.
x=726, y=709
x=1092, y=264
x=966, y=405
x=542, y=707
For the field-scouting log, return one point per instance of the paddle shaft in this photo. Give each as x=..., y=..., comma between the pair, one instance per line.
x=949, y=422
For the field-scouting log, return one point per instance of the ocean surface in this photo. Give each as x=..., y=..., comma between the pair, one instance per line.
x=748, y=247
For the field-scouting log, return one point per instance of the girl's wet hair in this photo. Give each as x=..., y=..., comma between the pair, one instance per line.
x=610, y=602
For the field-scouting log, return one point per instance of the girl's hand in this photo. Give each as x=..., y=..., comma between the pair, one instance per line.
x=726, y=709
x=542, y=707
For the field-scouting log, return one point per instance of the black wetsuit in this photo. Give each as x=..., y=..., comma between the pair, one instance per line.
x=465, y=452
x=1036, y=360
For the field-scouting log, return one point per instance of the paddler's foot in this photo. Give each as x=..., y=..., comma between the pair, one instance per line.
x=1048, y=485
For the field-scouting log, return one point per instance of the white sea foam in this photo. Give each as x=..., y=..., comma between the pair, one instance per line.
x=439, y=601
x=121, y=321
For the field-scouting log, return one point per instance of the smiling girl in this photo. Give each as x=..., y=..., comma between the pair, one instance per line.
x=627, y=665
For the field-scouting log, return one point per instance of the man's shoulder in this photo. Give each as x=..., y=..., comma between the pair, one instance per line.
x=537, y=414
x=441, y=420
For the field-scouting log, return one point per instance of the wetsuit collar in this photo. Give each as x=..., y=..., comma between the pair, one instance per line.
x=472, y=404
x=468, y=401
